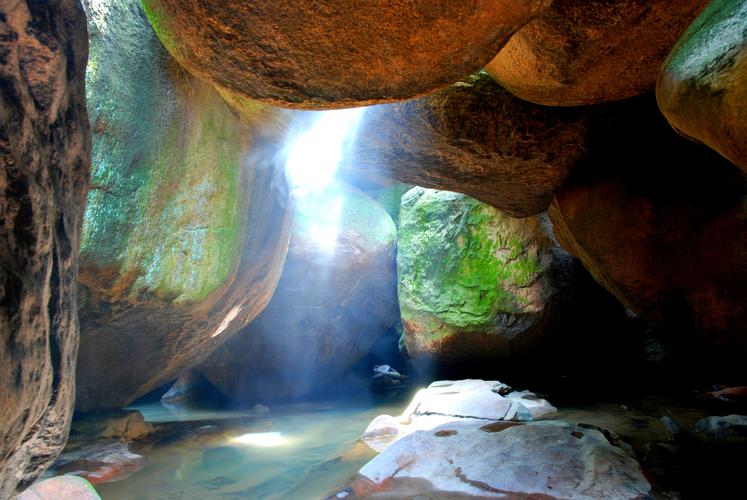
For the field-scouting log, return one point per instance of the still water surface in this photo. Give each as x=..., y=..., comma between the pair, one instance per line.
x=291, y=452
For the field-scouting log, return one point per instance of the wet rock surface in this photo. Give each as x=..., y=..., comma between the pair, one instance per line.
x=330, y=54
x=726, y=429
x=100, y=462
x=187, y=223
x=577, y=52
x=44, y=169
x=702, y=89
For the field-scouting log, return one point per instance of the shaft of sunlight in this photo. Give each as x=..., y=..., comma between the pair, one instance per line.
x=314, y=155
x=313, y=158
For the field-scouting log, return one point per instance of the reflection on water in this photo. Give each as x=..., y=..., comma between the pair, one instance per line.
x=295, y=451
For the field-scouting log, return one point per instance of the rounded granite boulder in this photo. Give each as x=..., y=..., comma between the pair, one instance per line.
x=474, y=137
x=661, y=222
x=581, y=52
x=332, y=54
x=702, y=89
x=187, y=221
x=475, y=284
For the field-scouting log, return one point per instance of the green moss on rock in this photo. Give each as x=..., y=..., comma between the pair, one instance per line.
x=164, y=204
x=187, y=222
x=464, y=267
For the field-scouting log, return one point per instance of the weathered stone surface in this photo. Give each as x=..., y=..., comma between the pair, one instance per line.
x=61, y=488
x=317, y=54
x=534, y=460
x=44, y=169
x=662, y=224
x=702, y=89
x=481, y=402
x=475, y=284
x=580, y=52
x=337, y=294
x=475, y=138
x=186, y=225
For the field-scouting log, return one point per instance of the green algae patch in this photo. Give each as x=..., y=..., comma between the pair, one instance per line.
x=188, y=218
x=471, y=279
x=167, y=203
x=461, y=260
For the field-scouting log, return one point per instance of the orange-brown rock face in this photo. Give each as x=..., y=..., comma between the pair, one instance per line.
x=662, y=224
x=585, y=52
x=325, y=54
x=702, y=89
x=44, y=169
x=475, y=138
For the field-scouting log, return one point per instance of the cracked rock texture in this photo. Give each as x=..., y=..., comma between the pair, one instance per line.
x=702, y=89
x=44, y=169
x=476, y=284
x=187, y=222
x=586, y=52
x=336, y=296
x=326, y=54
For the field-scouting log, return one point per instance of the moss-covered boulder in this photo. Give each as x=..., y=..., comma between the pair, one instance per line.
x=337, y=295
x=330, y=53
x=474, y=283
x=580, y=52
x=186, y=225
x=702, y=89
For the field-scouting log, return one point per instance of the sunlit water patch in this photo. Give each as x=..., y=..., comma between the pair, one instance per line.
x=291, y=452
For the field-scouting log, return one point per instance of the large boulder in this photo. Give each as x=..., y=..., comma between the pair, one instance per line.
x=476, y=138
x=44, y=172
x=662, y=223
x=577, y=52
x=187, y=222
x=534, y=460
x=475, y=284
x=317, y=54
x=482, y=402
x=702, y=89
x=337, y=294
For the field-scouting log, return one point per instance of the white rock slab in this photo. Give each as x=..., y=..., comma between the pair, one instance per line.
x=551, y=458
x=445, y=401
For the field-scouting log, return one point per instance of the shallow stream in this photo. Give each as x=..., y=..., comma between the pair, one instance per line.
x=294, y=451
